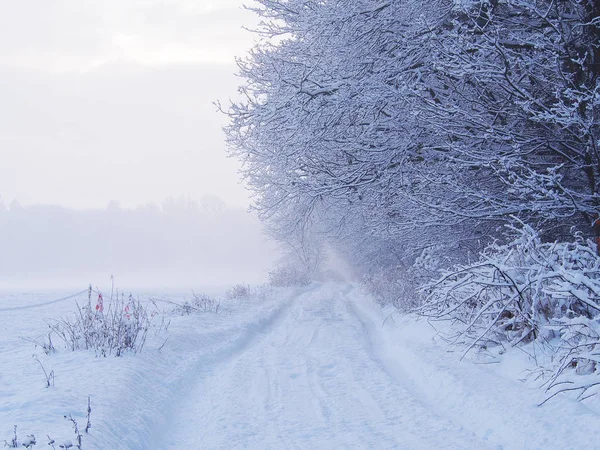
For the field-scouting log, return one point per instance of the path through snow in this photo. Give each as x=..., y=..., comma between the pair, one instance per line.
x=305, y=368
x=309, y=380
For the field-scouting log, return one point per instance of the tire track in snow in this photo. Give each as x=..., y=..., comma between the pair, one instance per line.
x=499, y=410
x=186, y=379
x=312, y=382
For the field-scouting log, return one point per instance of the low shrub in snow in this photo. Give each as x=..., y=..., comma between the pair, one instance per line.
x=577, y=367
x=200, y=303
x=527, y=291
x=114, y=326
x=289, y=275
x=399, y=286
x=396, y=287
x=238, y=291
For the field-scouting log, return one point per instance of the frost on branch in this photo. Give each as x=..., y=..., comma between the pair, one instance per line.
x=527, y=291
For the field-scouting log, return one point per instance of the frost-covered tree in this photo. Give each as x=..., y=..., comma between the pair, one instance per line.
x=514, y=97
x=413, y=125
x=329, y=123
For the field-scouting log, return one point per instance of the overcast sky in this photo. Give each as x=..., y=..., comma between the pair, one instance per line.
x=112, y=100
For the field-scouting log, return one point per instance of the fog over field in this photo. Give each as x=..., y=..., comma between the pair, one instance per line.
x=181, y=243
x=112, y=157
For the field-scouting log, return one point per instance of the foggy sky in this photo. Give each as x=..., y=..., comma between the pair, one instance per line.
x=111, y=103
x=112, y=100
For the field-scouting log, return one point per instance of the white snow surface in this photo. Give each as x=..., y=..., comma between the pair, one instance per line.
x=305, y=368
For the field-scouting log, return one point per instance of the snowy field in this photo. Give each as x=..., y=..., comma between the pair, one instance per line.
x=313, y=367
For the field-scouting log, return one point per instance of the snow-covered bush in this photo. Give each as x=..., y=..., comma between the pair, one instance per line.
x=121, y=324
x=238, y=291
x=577, y=366
x=392, y=286
x=200, y=303
x=527, y=291
x=400, y=285
x=289, y=275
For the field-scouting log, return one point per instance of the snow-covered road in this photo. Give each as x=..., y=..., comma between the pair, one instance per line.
x=309, y=379
x=317, y=367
